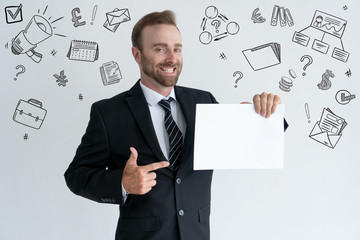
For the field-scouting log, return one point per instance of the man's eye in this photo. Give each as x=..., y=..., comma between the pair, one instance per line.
x=177, y=50
x=160, y=49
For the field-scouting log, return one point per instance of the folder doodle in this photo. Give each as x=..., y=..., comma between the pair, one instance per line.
x=263, y=56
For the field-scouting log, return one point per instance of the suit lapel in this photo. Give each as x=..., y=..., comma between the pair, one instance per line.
x=188, y=108
x=139, y=107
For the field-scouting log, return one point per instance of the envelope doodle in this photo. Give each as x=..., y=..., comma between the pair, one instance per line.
x=329, y=129
x=115, y=18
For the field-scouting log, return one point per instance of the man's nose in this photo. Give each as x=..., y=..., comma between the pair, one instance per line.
x=171, y=57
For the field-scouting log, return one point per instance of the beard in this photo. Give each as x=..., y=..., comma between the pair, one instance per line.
x=152, y=71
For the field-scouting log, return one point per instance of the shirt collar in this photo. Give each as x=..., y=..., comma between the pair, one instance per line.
x=153, y=97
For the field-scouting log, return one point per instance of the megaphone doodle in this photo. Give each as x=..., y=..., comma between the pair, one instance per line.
x=38, y=30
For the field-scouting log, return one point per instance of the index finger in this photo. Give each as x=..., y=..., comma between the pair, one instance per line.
x=155, y=166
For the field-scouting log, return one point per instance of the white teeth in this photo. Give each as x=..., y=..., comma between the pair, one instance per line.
x=168, y=70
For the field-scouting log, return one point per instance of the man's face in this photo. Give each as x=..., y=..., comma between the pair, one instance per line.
x=161, y=57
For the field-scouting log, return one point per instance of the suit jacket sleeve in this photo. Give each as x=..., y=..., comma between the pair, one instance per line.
x=89, y=175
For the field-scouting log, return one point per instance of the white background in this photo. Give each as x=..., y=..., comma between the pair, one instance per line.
x=317, y=194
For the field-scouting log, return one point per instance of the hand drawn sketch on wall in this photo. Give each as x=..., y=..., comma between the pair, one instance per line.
x=13, y=14
x=325, y=83
x=329, y=129
x=328, y=24
x=21, y=71
x=263, y=56
x=30, y=113
x=75, y=18
x=61, y=79
x=241, y=75
x=115, y=18
x=83, y=51
x=281, y=15
x=38, y=30
x=110, y=73
x=310, y=61
x=217, y=23
x=343, y=97
x=307, y=111
x=256, y=16
x=94, y=14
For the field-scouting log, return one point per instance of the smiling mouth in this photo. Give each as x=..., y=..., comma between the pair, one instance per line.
x=167, y=70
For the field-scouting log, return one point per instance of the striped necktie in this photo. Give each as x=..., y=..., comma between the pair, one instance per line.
x=175, y=136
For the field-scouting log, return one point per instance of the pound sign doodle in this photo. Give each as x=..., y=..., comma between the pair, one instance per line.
x=325, y=83
x=76, y=18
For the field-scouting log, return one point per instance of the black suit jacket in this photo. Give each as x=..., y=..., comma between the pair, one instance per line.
x=178, y=207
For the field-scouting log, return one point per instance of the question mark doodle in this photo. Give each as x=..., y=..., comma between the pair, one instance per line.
x=216, y=23
x=22, y=71
x=241, y=76
x=308, y=64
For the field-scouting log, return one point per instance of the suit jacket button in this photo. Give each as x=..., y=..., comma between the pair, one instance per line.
x=181, y=212
x=178, y=180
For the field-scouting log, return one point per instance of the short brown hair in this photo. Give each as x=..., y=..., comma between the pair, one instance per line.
x=164, y=17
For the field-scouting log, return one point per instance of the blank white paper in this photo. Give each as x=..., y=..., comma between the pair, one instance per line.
x=234, y=136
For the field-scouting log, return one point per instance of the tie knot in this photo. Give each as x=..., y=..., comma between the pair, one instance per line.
x=165, y=104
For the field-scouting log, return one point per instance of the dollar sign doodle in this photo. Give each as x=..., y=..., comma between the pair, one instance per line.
x=76, y=18
x=325, y=82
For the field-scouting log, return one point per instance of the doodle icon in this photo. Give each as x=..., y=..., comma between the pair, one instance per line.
x=256, y=16
x=282, y=15
x=115, y=18
x=61, y=79
x=344, y=97
x=263, y=56
x=328, y=130
x=13, y=14
x=328, y=24
x=325, y=83
x=83, y=51
x=21, y=71
x=110, y=73
x=217, y=21
x=38, y=30
x=30, y=113
x=75, y=18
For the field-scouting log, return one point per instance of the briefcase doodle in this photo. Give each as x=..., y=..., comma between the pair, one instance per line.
x=30, y=113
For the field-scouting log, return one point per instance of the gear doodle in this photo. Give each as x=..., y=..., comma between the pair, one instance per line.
x=61, y=80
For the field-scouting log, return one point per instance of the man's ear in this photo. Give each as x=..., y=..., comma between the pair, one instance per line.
x=136, y=54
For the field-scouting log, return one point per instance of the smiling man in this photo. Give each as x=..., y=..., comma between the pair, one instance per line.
x=138, y=147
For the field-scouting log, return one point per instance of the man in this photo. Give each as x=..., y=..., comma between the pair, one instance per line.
x=159, y=193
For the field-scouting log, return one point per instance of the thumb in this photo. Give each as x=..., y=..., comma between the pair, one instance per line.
x=133, y=157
